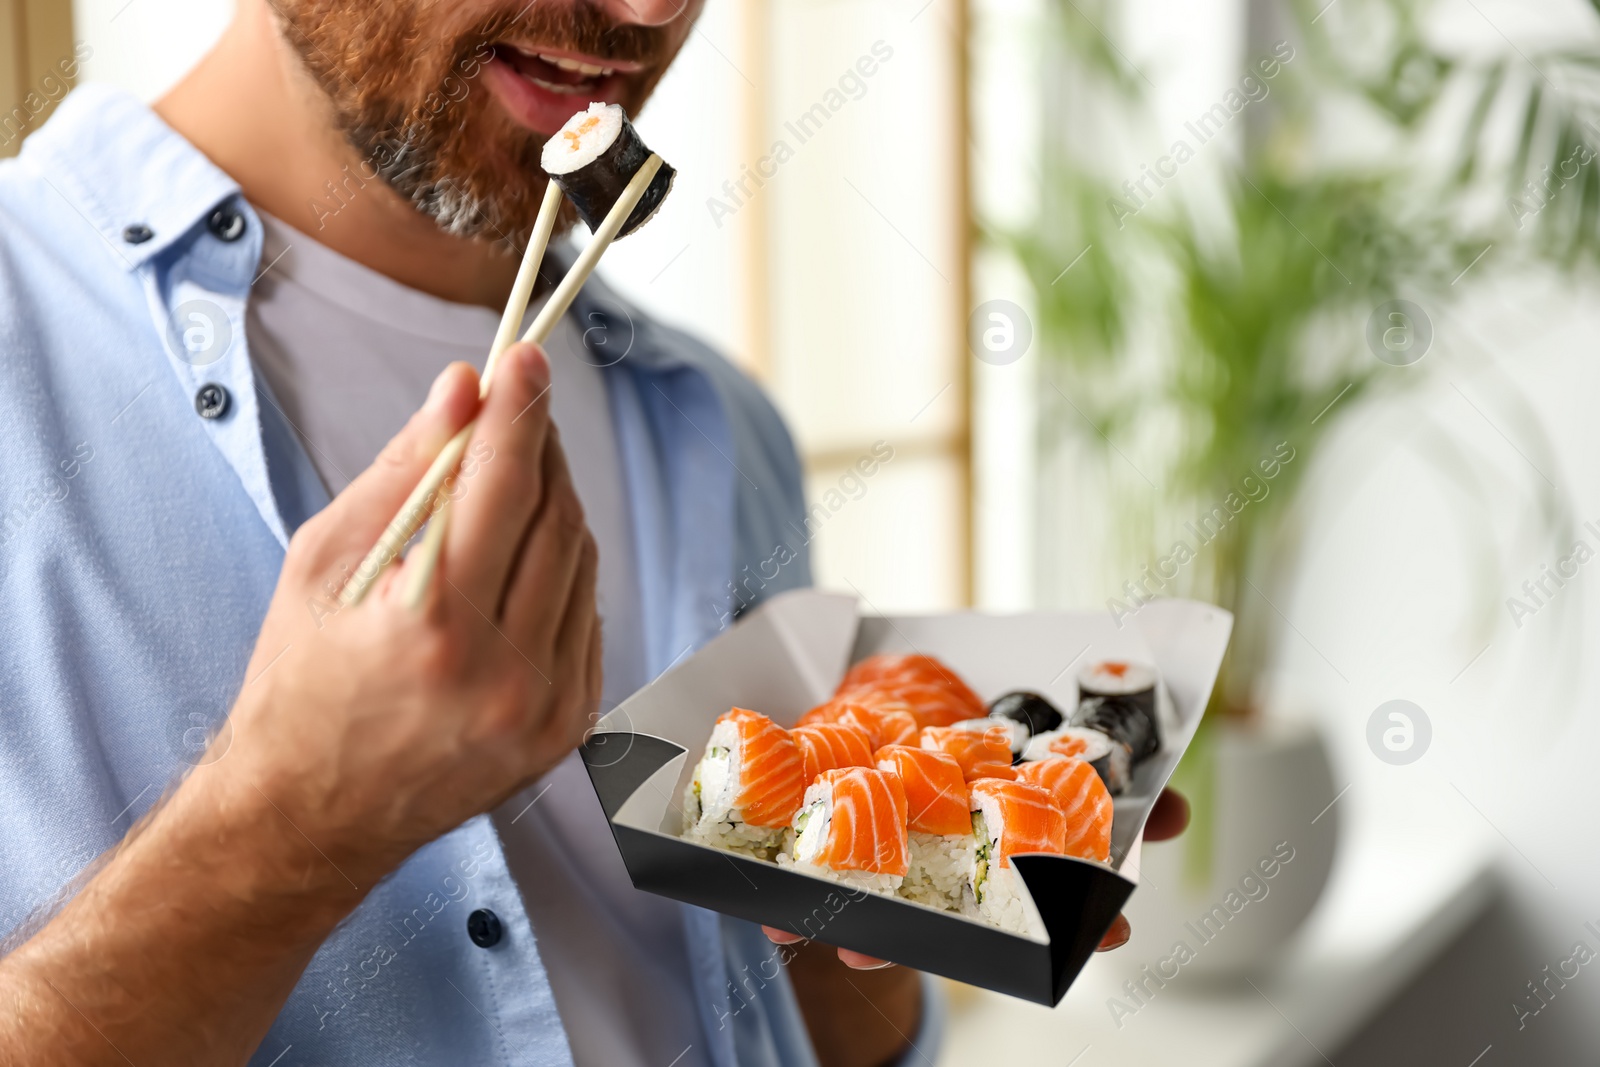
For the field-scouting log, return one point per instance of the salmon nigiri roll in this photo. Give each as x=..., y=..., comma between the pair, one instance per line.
x=852, y=829
x=891, y=671
x=747, y=787
x=827, y=745
x=939, y=821
x=1008, y=818
x=981, y=753
x=1083, y=799
x=885, y=722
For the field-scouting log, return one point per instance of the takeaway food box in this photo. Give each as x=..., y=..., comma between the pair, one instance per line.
x=786, y=657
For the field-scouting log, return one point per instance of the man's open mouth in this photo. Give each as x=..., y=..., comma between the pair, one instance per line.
x=560, y=72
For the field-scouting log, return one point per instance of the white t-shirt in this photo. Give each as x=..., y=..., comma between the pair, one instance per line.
x=349, y=354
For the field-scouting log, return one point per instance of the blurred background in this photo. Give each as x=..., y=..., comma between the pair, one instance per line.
x=1285, y=306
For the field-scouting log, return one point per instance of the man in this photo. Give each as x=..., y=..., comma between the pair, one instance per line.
x=367, y=841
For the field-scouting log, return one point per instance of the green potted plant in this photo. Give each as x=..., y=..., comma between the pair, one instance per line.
x=1228, y=305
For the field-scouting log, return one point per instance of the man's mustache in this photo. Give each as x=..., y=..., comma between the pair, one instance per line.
x=573, y=25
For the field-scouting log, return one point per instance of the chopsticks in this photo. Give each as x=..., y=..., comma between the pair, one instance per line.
x=422, y=500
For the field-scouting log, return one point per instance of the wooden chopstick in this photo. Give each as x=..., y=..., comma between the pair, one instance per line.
x=415, y=511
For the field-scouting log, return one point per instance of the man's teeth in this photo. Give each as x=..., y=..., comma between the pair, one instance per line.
x=566, y=90
x=588, y=70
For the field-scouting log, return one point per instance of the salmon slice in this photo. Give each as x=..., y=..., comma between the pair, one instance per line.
x=936, y=791
x=867, y=830
x=827, y=745
x=1069, y=746
x=885, y=722
x=771, y=774
x=981, y=753
x=1083, y=800
x=1030, y=820
x=893, y=672
x=931, y=703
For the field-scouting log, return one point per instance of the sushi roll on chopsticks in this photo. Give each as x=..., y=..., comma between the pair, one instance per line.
x=851, y=829
x=1084, y=802
x=938, y=820
x=747, y=787
x=1009, y=817
x=594, y=156
x=1112, y=759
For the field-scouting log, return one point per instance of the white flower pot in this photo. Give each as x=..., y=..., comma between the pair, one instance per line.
x=1272, y=851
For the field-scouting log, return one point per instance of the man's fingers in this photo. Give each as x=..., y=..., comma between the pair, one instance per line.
x=351, y=524
x=1117, y=936
x=1169, y=816
x=781, y=937
x=856, y=961
x=543, y=575
x=492, y=510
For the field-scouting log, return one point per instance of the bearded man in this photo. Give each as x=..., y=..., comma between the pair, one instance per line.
x=239, y=824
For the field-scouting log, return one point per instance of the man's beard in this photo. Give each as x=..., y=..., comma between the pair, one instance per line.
x=410, y=104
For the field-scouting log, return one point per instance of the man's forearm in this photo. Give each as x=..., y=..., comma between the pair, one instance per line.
x=857, y=1018
x=185, y=944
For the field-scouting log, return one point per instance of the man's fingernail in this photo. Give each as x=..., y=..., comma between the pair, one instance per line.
x=439, y=389
x=536, y=367
x=874, y=967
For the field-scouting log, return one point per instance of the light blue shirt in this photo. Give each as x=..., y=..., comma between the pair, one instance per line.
x=140, y=543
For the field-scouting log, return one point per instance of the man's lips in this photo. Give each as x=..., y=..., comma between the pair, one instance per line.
x=542, y=88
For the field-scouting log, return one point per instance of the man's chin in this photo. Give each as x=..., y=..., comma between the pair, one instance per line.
x=539, y=108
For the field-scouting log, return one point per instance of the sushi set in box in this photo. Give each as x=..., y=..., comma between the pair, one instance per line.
x=963, y=794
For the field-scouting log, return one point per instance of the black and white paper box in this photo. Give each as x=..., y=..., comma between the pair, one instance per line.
x=786, y=657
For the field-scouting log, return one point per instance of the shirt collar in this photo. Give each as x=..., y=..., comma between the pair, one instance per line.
x=119, y=165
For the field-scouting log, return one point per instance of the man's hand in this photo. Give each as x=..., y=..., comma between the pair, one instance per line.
x=873, y=1021
x=359, y=735
x=378, y=728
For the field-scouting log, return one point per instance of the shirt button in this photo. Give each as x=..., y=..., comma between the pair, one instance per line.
x=137, y=234
x=212, y=401
x=227, y=224
x=483, y=926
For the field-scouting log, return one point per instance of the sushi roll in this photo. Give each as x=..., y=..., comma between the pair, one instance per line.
x=594, y=157
x=1083, y=799
x=1121, y=720
x=1110, y=758
x=981, y=753
x=938, y=820
x=885, y=722
x=1132, y=682
x=851, y=829
x=1015, y=731
x=746, y=788
x=934, y=693
x=827, y=745
x=1033, y=711
x=1009, y=818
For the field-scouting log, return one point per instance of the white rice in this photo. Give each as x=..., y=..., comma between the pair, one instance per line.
x=1016, y=733
x=939, y=869
x=563, y=154
x=994, y=892
x=810, y=834
x=709, y=813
